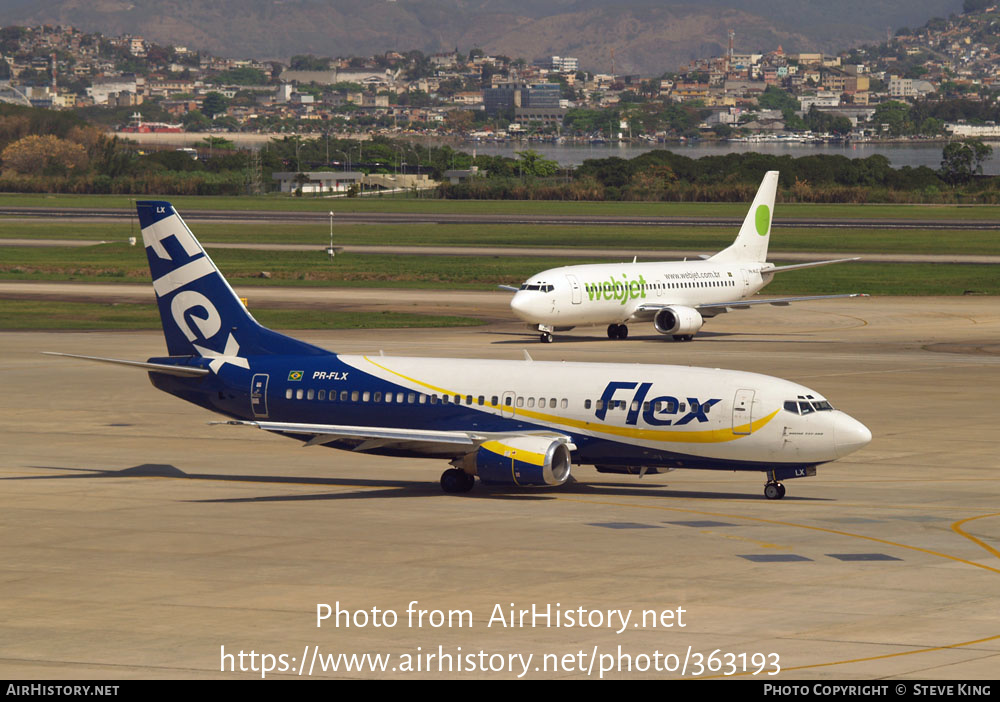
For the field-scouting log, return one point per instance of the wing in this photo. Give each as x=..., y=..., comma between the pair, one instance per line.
x=648, y=311
x=508, y=288
x=782, y=301
x=425, y=441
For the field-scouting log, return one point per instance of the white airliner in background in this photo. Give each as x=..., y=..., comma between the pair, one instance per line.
x=510, y=423
x=675, y=296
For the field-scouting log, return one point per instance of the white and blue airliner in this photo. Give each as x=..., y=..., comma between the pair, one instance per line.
x=509, y=423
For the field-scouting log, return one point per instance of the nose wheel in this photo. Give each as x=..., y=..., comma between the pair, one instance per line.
x=774, y=491
x=546, y=338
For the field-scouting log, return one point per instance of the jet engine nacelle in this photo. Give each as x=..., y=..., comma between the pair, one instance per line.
x=522, y=461
x=678, y=320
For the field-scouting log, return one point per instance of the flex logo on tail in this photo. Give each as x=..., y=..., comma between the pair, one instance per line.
x=186, y=281
x=652, y=408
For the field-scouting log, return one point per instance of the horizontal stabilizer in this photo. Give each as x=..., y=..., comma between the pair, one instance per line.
x=182, y=371
x=812, y=264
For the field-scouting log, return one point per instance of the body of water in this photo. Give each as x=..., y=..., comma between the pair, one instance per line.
x=567, y=155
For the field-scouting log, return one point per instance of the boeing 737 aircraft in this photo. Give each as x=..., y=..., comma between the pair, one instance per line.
x=512, y=423
x=676, y=296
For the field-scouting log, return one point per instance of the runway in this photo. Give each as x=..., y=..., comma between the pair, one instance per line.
x=140, y=541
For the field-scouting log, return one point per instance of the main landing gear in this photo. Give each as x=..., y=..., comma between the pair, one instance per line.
x=455, y=480
x=774, y=490
x=617, y=331
x=683, y=337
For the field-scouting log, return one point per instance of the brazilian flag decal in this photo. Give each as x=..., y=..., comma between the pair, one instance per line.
x=295, y=375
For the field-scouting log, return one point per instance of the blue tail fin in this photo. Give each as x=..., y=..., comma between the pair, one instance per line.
x=201, y=314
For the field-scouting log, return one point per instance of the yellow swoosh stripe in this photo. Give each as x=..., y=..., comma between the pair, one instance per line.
x=499, y=448
x=706, y=436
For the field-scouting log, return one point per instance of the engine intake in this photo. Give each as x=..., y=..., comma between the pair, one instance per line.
x=678, y=320
x=522, y=461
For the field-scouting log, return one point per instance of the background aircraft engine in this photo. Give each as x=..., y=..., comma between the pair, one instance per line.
x=523, y=461
x=678, y=320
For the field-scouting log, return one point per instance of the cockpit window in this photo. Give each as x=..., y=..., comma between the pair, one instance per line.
x=804, y=407
x=542, y=287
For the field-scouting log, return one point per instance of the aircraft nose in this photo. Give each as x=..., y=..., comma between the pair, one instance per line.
x=850, y=435
x=521, y=305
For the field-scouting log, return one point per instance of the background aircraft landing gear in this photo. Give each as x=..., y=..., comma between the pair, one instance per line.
x=617, y=331
x=455, y=480
x=774, y=491
x=547, y=338
x=683, y=337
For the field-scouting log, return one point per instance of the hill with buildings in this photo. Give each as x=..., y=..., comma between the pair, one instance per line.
x=633, y=36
